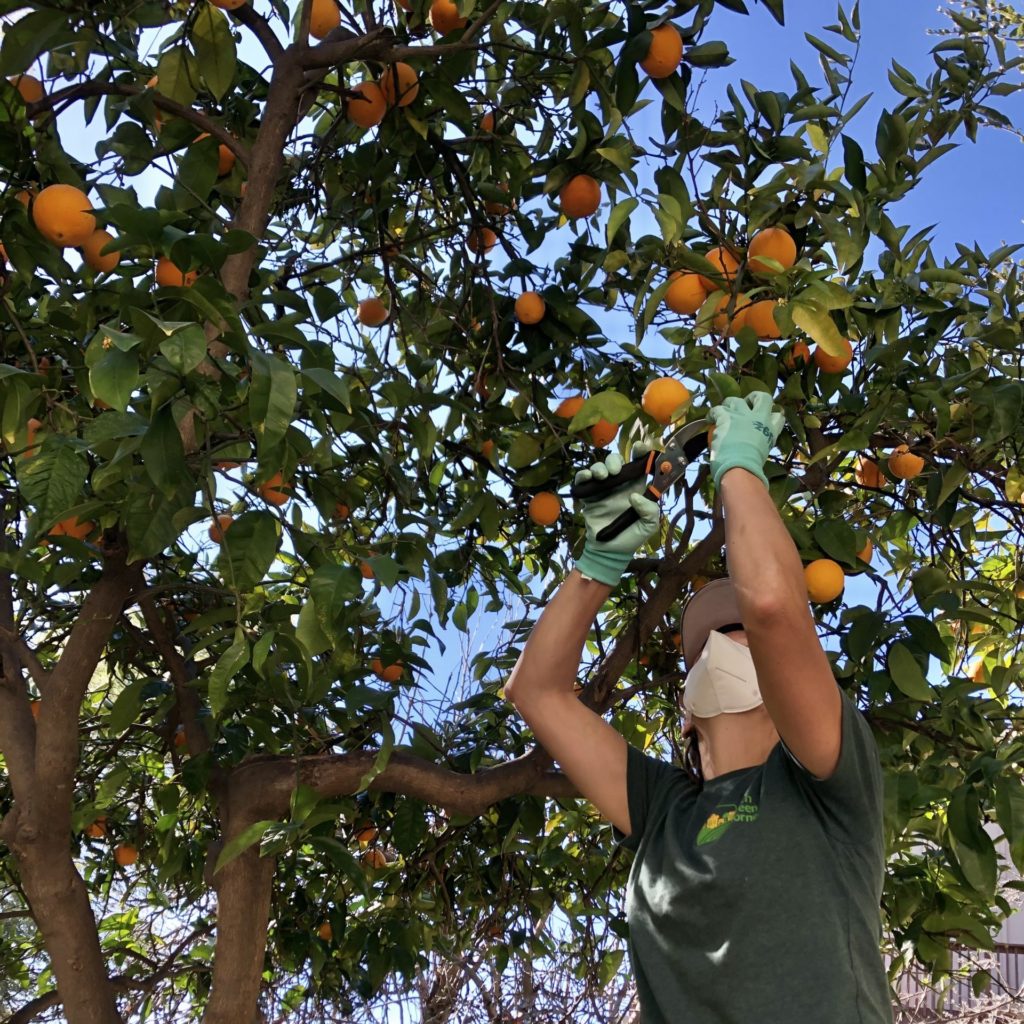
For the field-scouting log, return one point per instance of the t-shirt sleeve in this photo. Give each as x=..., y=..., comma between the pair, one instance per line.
x=645, y=778
x=850, y=800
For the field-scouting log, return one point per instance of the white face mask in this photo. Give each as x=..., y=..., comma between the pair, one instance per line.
x=723, y=680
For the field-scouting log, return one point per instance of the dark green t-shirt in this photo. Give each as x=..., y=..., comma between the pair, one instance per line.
x=757, y=900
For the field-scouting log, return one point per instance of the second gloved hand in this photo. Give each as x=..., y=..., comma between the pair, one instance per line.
x=606, y=561
x=745, y=430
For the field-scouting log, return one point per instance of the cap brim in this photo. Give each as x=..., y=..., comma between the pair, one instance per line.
x=712, y=606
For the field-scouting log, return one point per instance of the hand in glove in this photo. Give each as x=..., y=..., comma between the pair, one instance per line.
x=606, y=561
x=745, y=430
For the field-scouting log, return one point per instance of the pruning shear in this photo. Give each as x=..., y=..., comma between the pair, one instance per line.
x=668, y=465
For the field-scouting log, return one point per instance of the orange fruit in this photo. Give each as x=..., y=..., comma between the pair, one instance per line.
x=92, y=252
x=530, y=308
x=97, y=829
x=833, y=364
x=494, y=208
x=180, y=739
x=61, y=215
x=444, y=17
x=487, y=448
x=275, y=491
x=568, y=407
x=545, y=507
x=481, y=239
x=758, y=315
x=699, y=583
x=487, y=122
x=29, y=87
x=169, y=275
x=865, y=552
x=726, y=264
x=25, y=196
x=903, y=464
x=797, y=351
x=662, y=397
x=677, y=640
x=225, y=466
x=824, y=579
x=580, y=196
x=400, y=84
x=389, y=673
x=976, y=670
x=219, y=527
x=228, y=5
x=72, y=527
x=31, y=428
x=721, y=321
x=225, y=156
x=125, y=854
x=367, y=106
x=323, y=17
x=341, y=511
x=366, y=834
x=365, y=570
x=664, y=53
x=375, y=859
x=602, y=433
x=325, y=931
x=867, y=473
x=686, y=293
x=773, y=243
x=372, y=312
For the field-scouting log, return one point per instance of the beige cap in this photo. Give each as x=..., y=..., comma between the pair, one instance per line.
x=712, y=606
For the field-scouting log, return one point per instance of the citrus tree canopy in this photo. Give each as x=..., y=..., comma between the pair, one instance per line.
x=309, y=314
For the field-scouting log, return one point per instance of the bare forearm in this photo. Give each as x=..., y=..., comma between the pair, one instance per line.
x=551, y=658
x=763, y=561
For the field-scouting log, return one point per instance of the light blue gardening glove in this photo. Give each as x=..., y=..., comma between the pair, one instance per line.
x=606, y=561
x=745, y=430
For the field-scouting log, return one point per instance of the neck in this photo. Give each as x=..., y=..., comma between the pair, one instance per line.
x=735, y=741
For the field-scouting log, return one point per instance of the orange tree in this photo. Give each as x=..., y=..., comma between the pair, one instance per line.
x=282, y=424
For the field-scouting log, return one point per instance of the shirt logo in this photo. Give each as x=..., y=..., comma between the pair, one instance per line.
x=723, y=816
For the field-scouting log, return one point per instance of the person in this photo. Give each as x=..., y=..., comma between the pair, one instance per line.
x=754, y=892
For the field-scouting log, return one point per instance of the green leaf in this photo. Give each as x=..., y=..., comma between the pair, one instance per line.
x=272, y=398
x=907, y=675
x=818, y=325
x=249, y=837
x=409, y=825
x=248, y=550
x=608, y=405
x=951, y=480
x=176, y=73
x=163, y=456
x=972, y=845
x=215, y=48
x=619, y=215
x=115, y=377
x=332, y=588
x=837, y=540
x=52, y=480
x=335, y=386
x=819, y=140
x=708, y=55
x=185, y=349
x=26, y=38
x=380, y=762
x=229, y=664
x=1014, y=486
x=523, y=450
x=853, y=159
x=126, y=707
x=153, y=522
x=309, y=633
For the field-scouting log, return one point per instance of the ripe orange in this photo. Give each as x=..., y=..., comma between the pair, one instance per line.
x=228, y=5
x=275, y=491
x=494, y=208
x=72, y=527
x=773, y=243
x=225, y=155
x=61, y=214
x=833, y=364
x=487, y=448
x=867, y=473
x=25, y=196
x=97, y=829
x=365, y=834
x=341, y=511
x=31, y=428
x=976, y=670
x=445, y=17
x=169, y=275
x=325, y=931
x=92, y=252
x=865, y=552
x=29, y=87
x=400, y=84
x=225, y=466
x=665, y=52
x=824, y=579
x=686, y=293
x=727, y=265
x=389, y=673
x=365, y=570
x=545, y=508
x=725, y=325
x=662, y=397
x=568, y=407
x=580, y=196
x=487, y=122
x=324, y=16
x=759, y=316
x=602, y=433
x=219, y=527
x=372, y=312
x=903, y=464
x=481, y=239
x=375, y=859
x=125, y=854
x=367, y=106
x=180, y=739
x=797, y=351
x=530, y=308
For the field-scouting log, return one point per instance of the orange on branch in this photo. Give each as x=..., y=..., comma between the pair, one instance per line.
x=365, y=570
x=125, y=854
x=73, y=527
x=61, y=214
x=389, y=673
x=865, y=552
x=602, y=433
x=97, y=829
x=487, y=122
x=487, y=448
x=180, y=739
x=798, y=352
x=725, y=325
x=219, y=527
x=530, y=308
x=325, y=931
x=825, y=580
x=399, y=84
x=494, y=208
x=759, y=317
x=225, y=155
x=31, y=429
x=366, y=106
x=686, y=293
x=568, y=407
x=774, y=244
x=169, y=275
x=323, y=17
x=726, y=264
x=30, y=89
x=903, y=464
x=580, y=196
x=833, y=364
x=375, y=859
x=275, y=491
x=665, y=52
x=545, y=508
x=341, y=511
x=444, y=17
x=867, y=473
x=92, y=252
x=372, y=312
x=481, y=240
x=662, y=399
x=365, y=834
